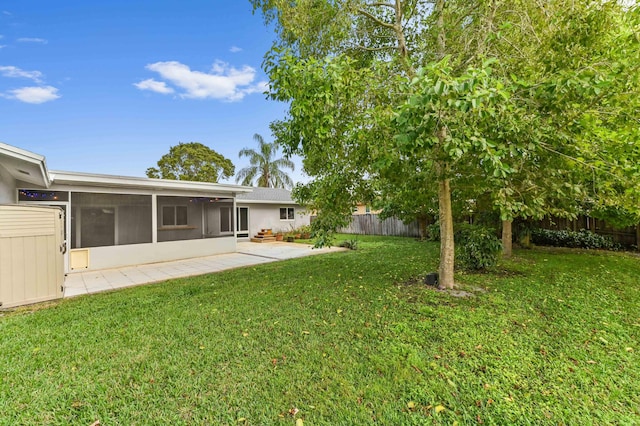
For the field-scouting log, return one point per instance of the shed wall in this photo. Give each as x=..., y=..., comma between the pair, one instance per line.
x=31, y=258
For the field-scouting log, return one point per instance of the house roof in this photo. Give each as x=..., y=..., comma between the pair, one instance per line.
x=266, y=196
x=31, y=169
x=112, y=181
x=24, y=165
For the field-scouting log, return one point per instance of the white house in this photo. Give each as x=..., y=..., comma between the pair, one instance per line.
x=268, y=208
x=114, y=221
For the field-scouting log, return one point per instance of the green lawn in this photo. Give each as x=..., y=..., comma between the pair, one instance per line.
x=338, y=339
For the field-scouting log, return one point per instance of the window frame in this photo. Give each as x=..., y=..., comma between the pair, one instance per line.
x=286, y=213
x=176, y=216
x=242, y=233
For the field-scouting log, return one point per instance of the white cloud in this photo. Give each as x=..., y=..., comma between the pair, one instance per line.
x=15, y=72
x=6, y=12
x=154, y=86
x=32, y=40
x=34, y=95
x=235, y=49
x=2, y=46
x=222, y=82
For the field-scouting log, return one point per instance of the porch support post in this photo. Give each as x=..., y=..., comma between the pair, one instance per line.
x=234, y=216
x=154, y=218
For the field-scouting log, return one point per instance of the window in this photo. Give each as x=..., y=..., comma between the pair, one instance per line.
x=287, y=213
x=242, y=227
x=174, y=215
x=367, y=209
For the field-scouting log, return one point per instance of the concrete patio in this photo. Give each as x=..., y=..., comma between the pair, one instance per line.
x=79, y=283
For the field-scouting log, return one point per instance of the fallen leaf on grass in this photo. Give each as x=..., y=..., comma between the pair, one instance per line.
x=439, y=408
x=411, y=405
x=96, y=423
x=299, y=422
x=293, y=411
x=591, y=362
x=628, y=349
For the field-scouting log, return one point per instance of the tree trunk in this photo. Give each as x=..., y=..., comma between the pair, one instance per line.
x=507, y=245
x=422, y=227
x=638, y=237
x=447, y=248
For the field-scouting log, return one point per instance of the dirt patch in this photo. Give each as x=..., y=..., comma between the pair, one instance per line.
x=458, y=291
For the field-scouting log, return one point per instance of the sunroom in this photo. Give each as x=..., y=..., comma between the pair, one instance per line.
x=114, y=221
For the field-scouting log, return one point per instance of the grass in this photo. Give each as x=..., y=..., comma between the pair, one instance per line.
x=338, y=339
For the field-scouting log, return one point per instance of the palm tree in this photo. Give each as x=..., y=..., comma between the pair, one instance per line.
x=264, y=167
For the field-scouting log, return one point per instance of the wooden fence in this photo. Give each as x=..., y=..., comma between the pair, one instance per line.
x=627, y=237
x=371, y=224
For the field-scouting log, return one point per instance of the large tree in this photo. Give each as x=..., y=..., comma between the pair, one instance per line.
x=192, y=161
x=454, y=87
x=265, y=170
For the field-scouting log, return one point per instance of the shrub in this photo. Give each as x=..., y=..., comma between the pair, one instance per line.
x=433, y=232
x=350, y=244
x=477, y=247
x=575, y=239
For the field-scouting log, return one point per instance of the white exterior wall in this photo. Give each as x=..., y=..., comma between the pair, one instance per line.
x=267, y=216
x=138, y=254
x=8, y=192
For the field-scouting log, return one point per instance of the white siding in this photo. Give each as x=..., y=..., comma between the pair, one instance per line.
x=7, y=188
x=267, y=216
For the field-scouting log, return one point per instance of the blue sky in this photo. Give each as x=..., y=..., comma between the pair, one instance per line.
x=109, y=86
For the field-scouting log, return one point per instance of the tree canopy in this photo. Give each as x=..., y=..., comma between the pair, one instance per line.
x=192, y=161
x=532, y=104
x=265, y=170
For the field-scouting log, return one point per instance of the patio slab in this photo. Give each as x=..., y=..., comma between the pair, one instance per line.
x=247, y=254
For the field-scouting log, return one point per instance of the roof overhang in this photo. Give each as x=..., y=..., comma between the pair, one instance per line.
x=24, y=165
x=274, y=202
x=77, y=179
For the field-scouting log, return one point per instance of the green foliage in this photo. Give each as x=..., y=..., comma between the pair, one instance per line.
x=351, y=244
x=533, y=105
x=575, y=239
x=192, y=161
x=433, y=232
x=265, y=170
x=477, y=247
